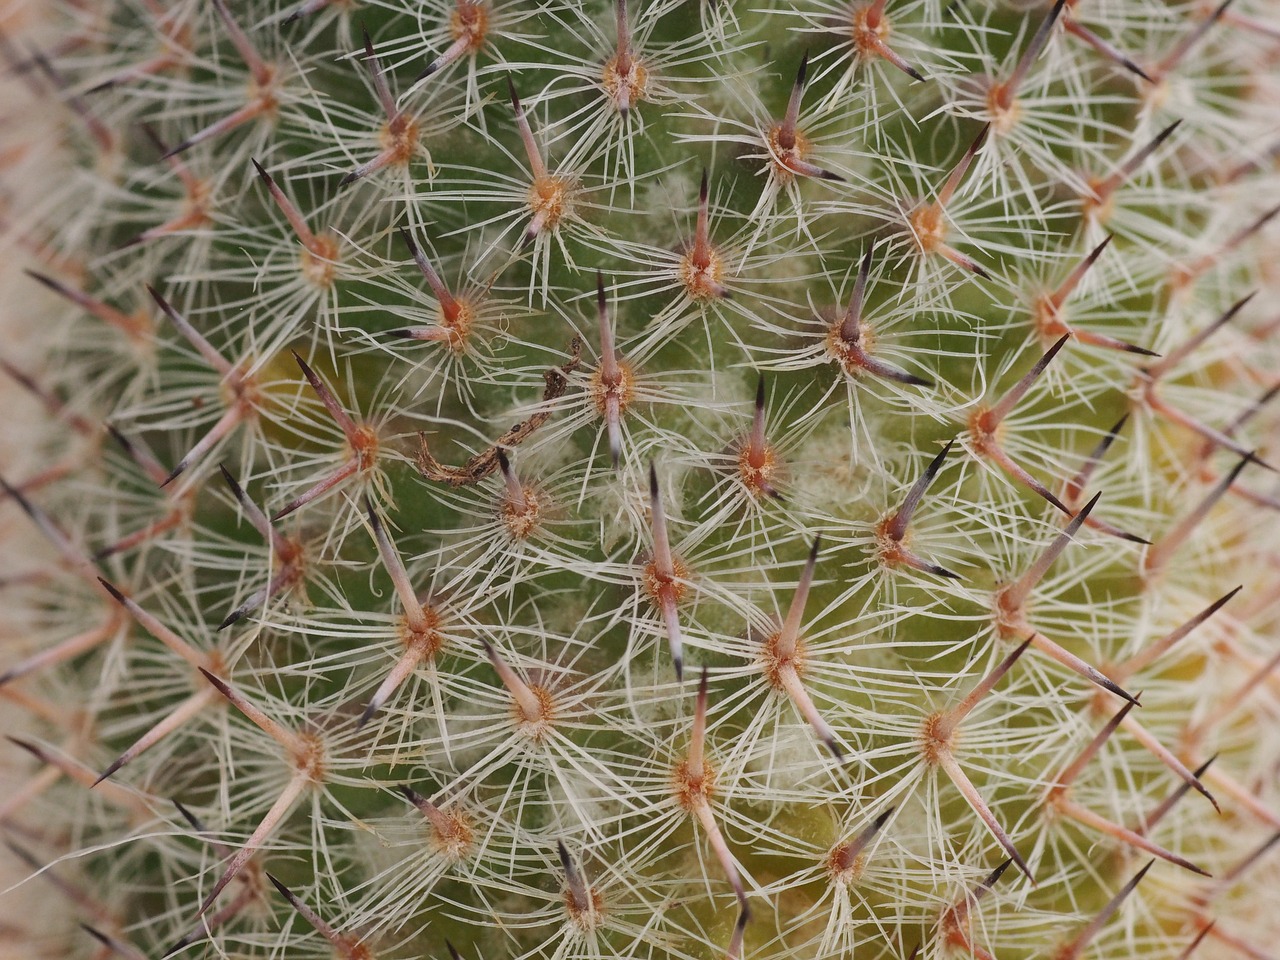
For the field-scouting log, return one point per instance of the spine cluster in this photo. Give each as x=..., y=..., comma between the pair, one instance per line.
x=664, y=480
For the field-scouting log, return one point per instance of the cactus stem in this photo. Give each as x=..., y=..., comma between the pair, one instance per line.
x=1080, y=942
x=986, y=422
x=892, y=532
x=344, y=946
x=665, y=576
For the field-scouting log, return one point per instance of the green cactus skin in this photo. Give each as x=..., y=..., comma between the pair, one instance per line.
x=672, y=480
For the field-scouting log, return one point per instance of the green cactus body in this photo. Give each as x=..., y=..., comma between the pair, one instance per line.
x=667, y=480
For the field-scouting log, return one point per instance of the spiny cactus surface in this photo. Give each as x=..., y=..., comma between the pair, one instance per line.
x=675, y=479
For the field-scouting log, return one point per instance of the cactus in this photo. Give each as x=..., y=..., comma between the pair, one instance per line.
x=678, y=479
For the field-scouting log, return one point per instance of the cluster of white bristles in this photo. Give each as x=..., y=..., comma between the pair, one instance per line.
x=695, y=479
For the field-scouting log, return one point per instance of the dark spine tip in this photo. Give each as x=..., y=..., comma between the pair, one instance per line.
x=173, y=474
x=803, y=73
x=188, y=816
x=236, y=489
x=183, y=147
x=350, y=178
x=703, y=188
x=262, y=172
x=284, y=891
x=515, y=97
x=119, y=597
x=112, y=768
